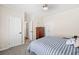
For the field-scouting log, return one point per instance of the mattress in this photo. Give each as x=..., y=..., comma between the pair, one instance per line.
x=52, y=46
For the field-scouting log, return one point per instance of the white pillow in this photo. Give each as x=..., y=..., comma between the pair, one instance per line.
x=76, y=43
x=70, y=41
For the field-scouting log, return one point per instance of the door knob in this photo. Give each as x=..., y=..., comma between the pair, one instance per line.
x=20, y=32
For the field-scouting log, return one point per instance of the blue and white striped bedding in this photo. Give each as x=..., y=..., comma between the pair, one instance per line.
x=52, y=46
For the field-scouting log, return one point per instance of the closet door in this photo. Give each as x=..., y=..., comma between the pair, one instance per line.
x=15, y=34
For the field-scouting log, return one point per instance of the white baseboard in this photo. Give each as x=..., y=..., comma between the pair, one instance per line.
x=4, y=48
x=9, y=47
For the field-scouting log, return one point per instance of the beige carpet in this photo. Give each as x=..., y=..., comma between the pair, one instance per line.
x=18, y=50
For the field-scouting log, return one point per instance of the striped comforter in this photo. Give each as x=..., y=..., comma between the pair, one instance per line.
x=52, y=46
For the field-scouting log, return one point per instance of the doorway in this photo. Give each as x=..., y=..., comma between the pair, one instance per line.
x=28, y=31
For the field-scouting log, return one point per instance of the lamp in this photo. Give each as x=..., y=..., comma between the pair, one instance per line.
x=45, y=7
x=75, y=36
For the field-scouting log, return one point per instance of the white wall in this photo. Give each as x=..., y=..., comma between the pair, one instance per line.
x=54, y=16
x=65, y=23
x=5, y=14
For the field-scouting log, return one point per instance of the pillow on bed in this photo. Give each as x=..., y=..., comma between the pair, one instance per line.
x=70, y=41
x=76, y=43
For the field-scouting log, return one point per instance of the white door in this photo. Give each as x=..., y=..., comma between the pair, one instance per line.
x=30, y=30
x=15, y=37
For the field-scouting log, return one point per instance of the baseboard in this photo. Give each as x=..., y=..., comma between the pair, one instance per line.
x=2, y=49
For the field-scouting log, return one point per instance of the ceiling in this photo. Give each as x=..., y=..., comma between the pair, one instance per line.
x=37, y=8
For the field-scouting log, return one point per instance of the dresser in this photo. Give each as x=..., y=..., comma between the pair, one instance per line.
x=40, y=32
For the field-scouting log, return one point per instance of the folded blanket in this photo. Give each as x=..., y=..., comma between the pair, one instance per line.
x=70, y=41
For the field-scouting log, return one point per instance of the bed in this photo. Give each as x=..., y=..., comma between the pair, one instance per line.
x=52, y=46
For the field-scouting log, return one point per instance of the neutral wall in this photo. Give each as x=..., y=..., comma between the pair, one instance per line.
x=5, y=14
x=65, y=23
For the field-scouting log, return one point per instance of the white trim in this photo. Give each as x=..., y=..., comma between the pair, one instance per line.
x=10, y=47
x=4, y=48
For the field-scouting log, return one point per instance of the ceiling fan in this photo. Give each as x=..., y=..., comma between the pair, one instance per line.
x=45, y=6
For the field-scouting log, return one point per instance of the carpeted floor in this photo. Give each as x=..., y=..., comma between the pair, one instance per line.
x=18, y=50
